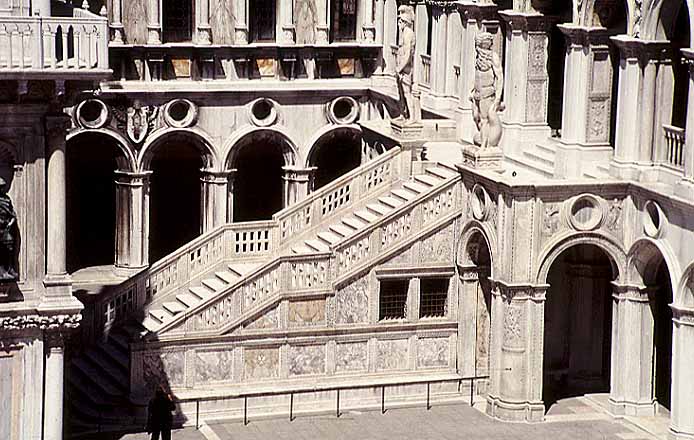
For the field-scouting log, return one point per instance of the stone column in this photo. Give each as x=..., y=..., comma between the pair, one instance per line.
x=231, y=175
x=526, y=79
x=682, y=413
x=287, y=22
x=439, y=48
x=467, y=320
x=53, y=387
x=631, y=375
x=214, y=199
x=636, y=132
x=588, y=72
x=380, y=36
x=517, y=345
x=685, y=187
x=204, y=28
x=241, y=23
x=298, y=183
x=57, y=280
x=132, y=248
x=475, y=18
x=453, y=57
x=117, y=22
x=368, y=28
x=390, y=32
x=153, y=22
x=322, y=22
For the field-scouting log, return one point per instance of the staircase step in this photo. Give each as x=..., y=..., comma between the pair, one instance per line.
x=105, y=364
x=365, y=215
x=341, y=229
x=214, y=284
x=317, y=245
x=227, y=276
x=201, y=292
x=112, y=355
x=540, y=156
x=415, y=187
x=119, y=340
x=443, y=173
x=390, y=201
x=403, y=194
x=378, y=208
x=243, y=268
x=353, y=223
x=302, y=249
x=329, y=237
x=151, y=324
x=174, y=307
x=94, y=375
x=159, y=315
x=427, y=179
x=188, y=300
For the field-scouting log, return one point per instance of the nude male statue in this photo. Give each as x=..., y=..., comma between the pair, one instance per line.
x=404, y=63
x=486, y=93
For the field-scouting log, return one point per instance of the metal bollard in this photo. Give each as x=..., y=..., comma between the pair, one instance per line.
x=337, y=411
x=245, y=410
x=291, y=407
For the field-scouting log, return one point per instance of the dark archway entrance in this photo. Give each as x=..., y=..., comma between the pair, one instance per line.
x=91, y=200
x=335, y=154
x=479, y=255
x=174, y=196
x=578, y=324
x=258, y=184
x=662, y=338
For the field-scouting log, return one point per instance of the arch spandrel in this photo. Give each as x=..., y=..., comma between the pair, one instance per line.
x=657, y=18
x=127, y=161
x=199, y=139
x=235, y=142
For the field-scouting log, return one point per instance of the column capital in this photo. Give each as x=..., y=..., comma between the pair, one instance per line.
x=632, y=292
x=512, y=292
x=477, y=11
x=213, y=176
x=688, y=57
x=683, y=315
x=646, y=51
x=528, y=21
x=133, y=178
x=584, y=35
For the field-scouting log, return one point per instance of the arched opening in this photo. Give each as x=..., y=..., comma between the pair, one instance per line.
x=174, y=196
x=680, y=70
x=334, y=154
x=479, y=255
x=662, y=338
x=577, y=355
x=258, y=183
x=91, y=160
x=555, y=66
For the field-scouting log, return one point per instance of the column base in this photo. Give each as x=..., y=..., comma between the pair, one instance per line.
x=466, y=125
x=515, y=411
x=405, y=128
x=634, y=409
x=57, y=286
x=624, y=170
x=489, y=159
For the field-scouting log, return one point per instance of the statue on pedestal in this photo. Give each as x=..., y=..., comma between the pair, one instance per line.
x=8, y=237
x=404, y=64
x=486, y=93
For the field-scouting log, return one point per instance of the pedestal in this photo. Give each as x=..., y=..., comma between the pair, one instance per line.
x=483, y=158
x=405, y=128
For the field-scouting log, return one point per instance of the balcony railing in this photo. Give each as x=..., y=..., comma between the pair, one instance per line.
x=39, y=45
x=426, y=69
x=674, y=142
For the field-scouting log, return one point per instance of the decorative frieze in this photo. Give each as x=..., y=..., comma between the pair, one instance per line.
x=268, y=320
x=214, y=365
x=166, y=367
x=261, y=363
x=432, y=352
x=392, y=354
x=352, y=303
x=351, y=357
x=43, y=322
x=438, y=248
x=306, y=359
x=306, y=313
x=513, y=327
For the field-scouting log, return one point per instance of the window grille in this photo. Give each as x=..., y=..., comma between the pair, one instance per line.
x=433, y=297
x=393, y=299
x=262, y=17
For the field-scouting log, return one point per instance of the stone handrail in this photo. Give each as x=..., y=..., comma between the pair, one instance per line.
x=53, y=43
x=674, y=141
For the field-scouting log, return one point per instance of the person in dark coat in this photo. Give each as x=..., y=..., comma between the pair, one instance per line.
x=159, y=417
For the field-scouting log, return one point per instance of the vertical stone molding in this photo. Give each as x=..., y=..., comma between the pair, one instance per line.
x=438, y=50
x=685, y=187
x=241, y=22
x=287, y=22
x=517, y=352
x=467, y=319
x=117, y=22
x=230, y=175
x=322, y=22
x=214, y=198
x=368, y=28
x=204, y=28
x=153, y=22
x=682, y=415
x=298, y=183
x=53, y=389
x=390, y=32
x=631, y=375
x=639, y=61
x=131, y=219
x=57, y=281
x=526, y=78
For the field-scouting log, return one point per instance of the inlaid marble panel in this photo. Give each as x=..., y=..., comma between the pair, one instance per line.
x=351, y=356
x=392, y=354
x=432, y=352
x=261, y=363
x=306, y=359
x=438, y=248
x=163, y=368
x=306, y=313
x=267, y=320
x=353, y=303
x=213, y=365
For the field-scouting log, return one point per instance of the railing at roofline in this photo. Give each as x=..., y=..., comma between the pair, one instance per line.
x=674, y=142
x=243, y=240
x=53, y=43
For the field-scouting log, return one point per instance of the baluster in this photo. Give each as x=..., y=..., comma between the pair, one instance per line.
x=11, y=50
x=76, y=45
x=4, y=39
x=64, y=48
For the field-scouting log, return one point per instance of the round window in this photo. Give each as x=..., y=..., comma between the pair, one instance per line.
x=480, y=202
x=263, y=112
x=180, y=113
x=343, y=110
x=586, y=213
x=653, y=219
x=92, y=113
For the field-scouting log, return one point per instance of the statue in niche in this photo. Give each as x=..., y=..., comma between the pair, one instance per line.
x=305, y=24
x=404, y=63
x=486, y=93
x=135, y=21
x=222, y=22
x=9, y=234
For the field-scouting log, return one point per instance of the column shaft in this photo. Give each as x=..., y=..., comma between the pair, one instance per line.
x=53, y=392
x=298, y=182
x=131, y=236
x=241, y=23
x=439, y=51
x=682, y=412
x=322, y=21
x=153, y=22
x=214, y=199
x=467, y=313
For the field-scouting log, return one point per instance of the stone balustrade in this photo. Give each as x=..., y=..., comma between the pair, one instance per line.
x=674, y=142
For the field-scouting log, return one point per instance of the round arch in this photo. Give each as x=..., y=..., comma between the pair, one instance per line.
x=658, y=19
x=314, y=142
x=234, y=144
x=586, y=15
x=198, y=139
x=126, y=162
x=684, y=293
x=557, y=246
x=469, y=231
x=643, y=259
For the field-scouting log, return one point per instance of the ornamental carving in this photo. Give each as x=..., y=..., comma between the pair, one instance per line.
x=261, y=363
x=306, y=313
x=613, y=221
x=537, y=54
x=351, y=356
x=535, y=108
x=213, y=365
x=307, y=359
x=513, y=337
x=438, y=248
x=353, y=303
x=53, y=322
x=265, y=321
x=551, y=219
x=396, y=230
x=392, y=354
x=137, y=121
x=597, y=121
x=432, y=352
x=401, y=259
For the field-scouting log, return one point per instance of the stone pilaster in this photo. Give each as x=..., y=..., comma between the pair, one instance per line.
x=517, y=352
x=231, y=175
x=241, y=23
x=368, y=27
x=439, y=50
x=116, y=24
x=298, y=183
x=636, y=136
x=322, y=22
x=469, y=280
x=631, y=376
x=214, y=198
x=153, y=22
x=682, y=414
x=390, y=32
x=685, y=187
x=53, y=389
x=286, y=15
x=526, y=79
x=204, y=34
x=588, y=71
x=131, y=220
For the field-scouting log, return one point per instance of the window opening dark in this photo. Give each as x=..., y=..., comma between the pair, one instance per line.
x=344, y=20
x=262, y=24
x=433, y=295
x=177, y=21
x=393, y=299
x=430, y=27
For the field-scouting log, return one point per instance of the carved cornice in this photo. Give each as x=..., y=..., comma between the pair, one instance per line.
x=42, y=322
x=585, y=36
x=478, y=11
x=528, y=21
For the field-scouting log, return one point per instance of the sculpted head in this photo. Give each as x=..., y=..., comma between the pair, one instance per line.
x=484, y=40
x=405, y=16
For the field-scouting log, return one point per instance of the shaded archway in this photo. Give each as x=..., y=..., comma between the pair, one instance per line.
x=174, y=193
x=91, y=160
x=477, y=251
x=335, y=153
x=258, y=186
x=577, y=356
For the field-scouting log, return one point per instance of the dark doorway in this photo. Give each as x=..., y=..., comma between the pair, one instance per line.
x=262, y=20
x=478, y=252
x=258, y=183
x=344, y=20
x=177, y=18
x=91, y=201
x=578, y=324
x=662, y=338
x=335, y=154
x=174, y=197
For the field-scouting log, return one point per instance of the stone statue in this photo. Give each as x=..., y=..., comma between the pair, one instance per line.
x=405, y=62
x=305, y=21
x=8, y=237
x=486, y=93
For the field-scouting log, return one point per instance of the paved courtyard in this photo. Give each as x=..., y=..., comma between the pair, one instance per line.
x=571, y=419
